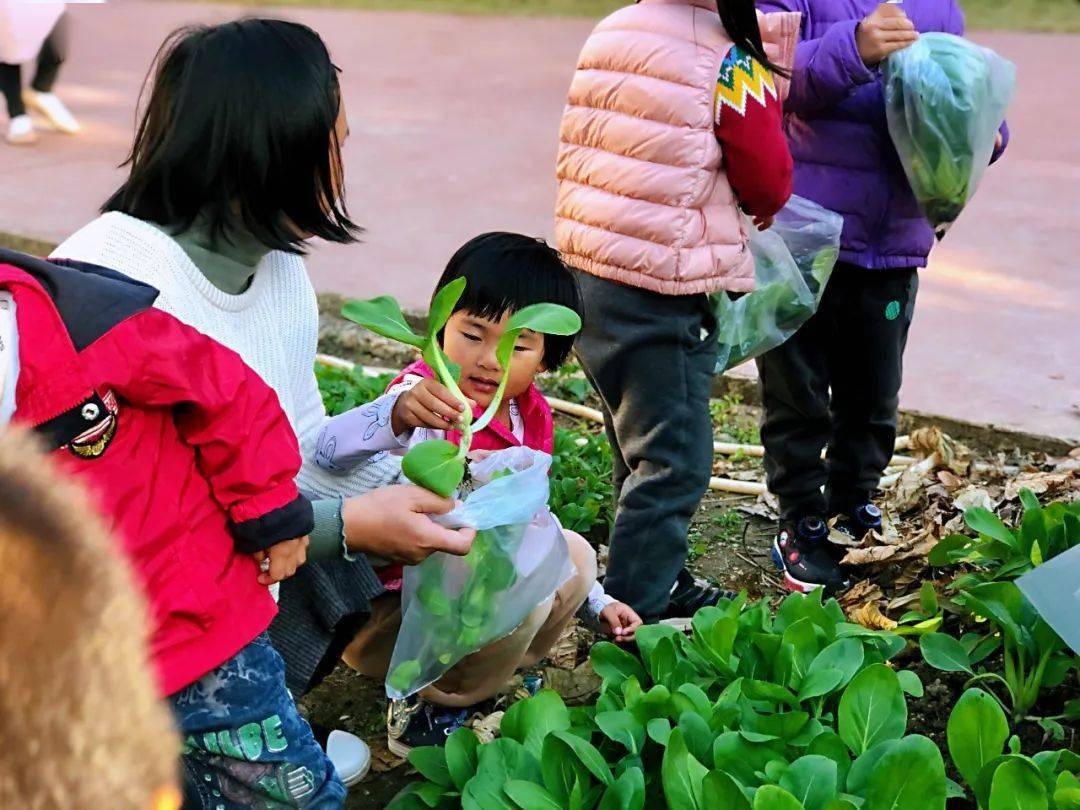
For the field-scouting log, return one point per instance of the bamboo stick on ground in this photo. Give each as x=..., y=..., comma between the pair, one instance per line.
x=334, y=362
x=574, y=409
x=348, y=365
x=757, y=451
x=738, y=487
x=724, y=448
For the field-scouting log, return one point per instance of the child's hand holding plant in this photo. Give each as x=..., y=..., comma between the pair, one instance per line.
x=428, y=404
x=619, y=621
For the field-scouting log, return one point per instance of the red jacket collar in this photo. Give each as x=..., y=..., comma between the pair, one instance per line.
x=51, y=378
x=535, y=412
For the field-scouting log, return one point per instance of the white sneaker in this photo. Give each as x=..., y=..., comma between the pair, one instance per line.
x=350, y=755
x=48, y=105
x=21, y=131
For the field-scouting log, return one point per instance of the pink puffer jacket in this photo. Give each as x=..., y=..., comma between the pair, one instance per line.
x=643, y=196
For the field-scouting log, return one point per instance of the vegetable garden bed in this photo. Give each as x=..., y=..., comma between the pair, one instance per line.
x=973, y=627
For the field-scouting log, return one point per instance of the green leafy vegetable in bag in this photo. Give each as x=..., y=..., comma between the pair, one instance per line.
x=945, y=98
x=792, y=263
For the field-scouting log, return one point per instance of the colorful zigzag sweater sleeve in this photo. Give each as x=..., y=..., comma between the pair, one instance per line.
x=749, y=126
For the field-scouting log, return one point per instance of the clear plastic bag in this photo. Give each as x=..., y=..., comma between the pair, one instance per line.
x=945, y=98
x=792, y=263
x=453, y=606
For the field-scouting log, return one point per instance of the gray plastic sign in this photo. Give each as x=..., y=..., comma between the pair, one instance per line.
x=1054, y=589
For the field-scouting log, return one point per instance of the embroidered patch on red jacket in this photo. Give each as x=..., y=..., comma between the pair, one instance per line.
x=93, y=441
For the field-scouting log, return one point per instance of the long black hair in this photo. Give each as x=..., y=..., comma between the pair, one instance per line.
x=240, y=129
x=739, y=18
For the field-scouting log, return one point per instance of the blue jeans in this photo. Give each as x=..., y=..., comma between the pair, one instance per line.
x=245, y=743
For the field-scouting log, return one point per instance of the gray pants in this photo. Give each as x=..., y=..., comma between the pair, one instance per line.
x=651, y=358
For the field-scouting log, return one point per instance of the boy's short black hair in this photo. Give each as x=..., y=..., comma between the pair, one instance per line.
x=239, y=129
x=506, y=272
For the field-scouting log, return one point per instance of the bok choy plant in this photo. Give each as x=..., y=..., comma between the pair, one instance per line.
x=439, y=465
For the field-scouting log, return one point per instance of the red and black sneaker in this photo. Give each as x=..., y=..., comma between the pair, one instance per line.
x=808, y=560
x=860, y=521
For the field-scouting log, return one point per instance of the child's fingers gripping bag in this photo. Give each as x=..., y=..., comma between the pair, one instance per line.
x=453, y=606
x=793, y=261
x=945, y=98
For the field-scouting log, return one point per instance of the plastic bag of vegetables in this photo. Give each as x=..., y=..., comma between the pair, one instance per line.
x=792, y=263
x=945, y=98
x=452, y=606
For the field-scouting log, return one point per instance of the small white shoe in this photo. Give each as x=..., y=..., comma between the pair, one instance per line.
x=54, y=110
x=350, y=755
x=21, y=131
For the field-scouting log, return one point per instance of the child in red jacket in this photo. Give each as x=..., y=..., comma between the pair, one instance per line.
x=189, y=457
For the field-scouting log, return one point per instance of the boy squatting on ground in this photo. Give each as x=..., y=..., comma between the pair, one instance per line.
x=190, y=459
x=504, y=273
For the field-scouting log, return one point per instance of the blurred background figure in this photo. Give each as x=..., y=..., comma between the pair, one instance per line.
x=79, y=714
x=33, y=31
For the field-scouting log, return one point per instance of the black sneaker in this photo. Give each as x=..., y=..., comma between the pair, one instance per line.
x=413, y=722
x=688, y=596
x=808, y=560
x=862, y=519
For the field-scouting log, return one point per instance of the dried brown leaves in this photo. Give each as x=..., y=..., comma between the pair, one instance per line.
x=863, y=602
x=486, y=727
x=927, y=503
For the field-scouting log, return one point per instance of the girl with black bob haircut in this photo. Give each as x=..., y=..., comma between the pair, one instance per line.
x=506, y=272
x=242, y=142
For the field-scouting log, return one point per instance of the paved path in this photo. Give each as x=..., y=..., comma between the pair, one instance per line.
x=453, y=132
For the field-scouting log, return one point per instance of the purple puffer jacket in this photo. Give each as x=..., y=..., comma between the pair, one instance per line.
x=844, y=157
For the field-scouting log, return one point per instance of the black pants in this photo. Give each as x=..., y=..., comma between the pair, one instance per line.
x=836, y=382
x=651, y=358
x=50, y=58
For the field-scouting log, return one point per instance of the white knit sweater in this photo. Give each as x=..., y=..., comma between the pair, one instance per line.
x=273, y=326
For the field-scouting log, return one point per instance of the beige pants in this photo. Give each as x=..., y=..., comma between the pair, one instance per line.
x=481, y=675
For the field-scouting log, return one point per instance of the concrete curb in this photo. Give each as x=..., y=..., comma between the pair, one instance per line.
x=989, y=436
